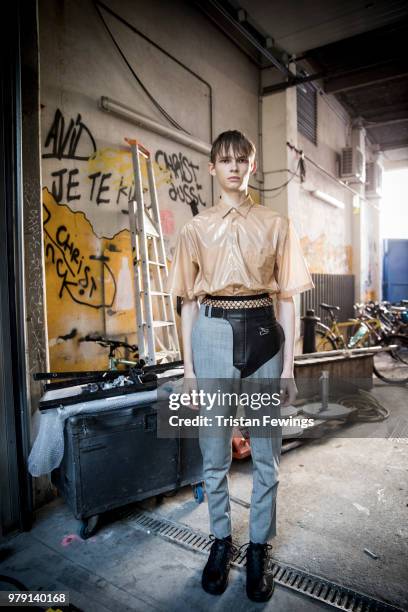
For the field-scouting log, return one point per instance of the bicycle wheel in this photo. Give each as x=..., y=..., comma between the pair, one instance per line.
x=324, y=342
x=392, y=366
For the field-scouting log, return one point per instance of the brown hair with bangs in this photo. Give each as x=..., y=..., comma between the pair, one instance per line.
x=240, y=144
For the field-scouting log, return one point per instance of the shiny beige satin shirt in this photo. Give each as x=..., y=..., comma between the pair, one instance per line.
x=238, y=251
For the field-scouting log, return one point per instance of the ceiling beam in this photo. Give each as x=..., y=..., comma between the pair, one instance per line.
x=378, y=124
x=374, y=112
x=388, y=146
x=239, y=29
x=356, y=79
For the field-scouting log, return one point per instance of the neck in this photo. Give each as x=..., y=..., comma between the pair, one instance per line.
x=234, y=198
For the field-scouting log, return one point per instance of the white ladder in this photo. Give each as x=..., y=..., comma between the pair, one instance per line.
x=150, y=270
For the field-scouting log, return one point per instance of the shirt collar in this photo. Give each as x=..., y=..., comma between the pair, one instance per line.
x=242, y=209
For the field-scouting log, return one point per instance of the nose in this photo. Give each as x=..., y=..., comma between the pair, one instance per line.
x=234, y=165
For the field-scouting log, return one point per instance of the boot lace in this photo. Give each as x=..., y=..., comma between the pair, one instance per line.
x=219, y=549
x=260, y=557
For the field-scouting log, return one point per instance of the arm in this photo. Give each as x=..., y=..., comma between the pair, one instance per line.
x=293, y=277
x=189, y=314
x=286, y=317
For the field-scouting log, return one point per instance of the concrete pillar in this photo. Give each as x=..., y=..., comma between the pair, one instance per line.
x=279, y=126
x=36, y=324
x=358, y=223
x=356, y=229
x=376, y=236
x=367, y=252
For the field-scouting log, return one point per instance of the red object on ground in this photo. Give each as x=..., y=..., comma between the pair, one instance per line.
x=241, y=447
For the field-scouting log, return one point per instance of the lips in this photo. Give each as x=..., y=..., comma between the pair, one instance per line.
x=233, y=178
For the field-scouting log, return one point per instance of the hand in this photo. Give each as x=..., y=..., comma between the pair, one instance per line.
x=288, y=390
x=190, y=384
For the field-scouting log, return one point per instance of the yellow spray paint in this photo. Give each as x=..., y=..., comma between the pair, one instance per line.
x=82, y=272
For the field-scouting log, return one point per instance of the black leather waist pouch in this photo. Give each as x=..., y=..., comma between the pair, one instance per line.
x=257, y=336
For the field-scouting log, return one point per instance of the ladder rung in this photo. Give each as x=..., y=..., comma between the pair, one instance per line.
x=162, y=323
x=156, y=263
x=160, y=354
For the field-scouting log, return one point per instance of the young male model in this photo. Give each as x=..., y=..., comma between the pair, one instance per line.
x=228, y=260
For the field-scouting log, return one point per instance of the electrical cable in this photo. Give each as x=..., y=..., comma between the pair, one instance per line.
x=369, y=408
x=324, y=97
x=174, y=59
x=144, y=88
x=300, y=166
x=279, y=170
x=331, y=176
x=167, y=54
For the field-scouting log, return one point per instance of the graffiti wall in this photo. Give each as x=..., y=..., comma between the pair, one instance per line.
x=87, y=242
x=166, y=62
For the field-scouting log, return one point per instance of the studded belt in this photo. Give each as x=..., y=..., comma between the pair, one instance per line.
x=238, y=301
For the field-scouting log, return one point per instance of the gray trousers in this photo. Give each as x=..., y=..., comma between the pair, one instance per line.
x=212, y=346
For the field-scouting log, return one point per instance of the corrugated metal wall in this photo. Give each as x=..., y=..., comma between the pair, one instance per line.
x=307, y=111
x=336, y=289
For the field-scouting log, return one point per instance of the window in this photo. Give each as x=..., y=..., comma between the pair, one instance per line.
x=307, y=111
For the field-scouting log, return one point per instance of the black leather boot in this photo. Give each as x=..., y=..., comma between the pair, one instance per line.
x=259, y=583
x=215, y=574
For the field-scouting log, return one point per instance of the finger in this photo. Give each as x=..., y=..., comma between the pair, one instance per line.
x=292, y=397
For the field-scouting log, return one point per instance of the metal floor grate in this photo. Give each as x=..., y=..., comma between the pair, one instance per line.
x=330, y=593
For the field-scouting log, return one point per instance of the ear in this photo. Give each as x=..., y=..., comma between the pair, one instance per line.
x=211, y=168
x=253, y=167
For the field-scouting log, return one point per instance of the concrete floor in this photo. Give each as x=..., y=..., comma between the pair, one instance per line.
x=122, y=568
x=337, y=496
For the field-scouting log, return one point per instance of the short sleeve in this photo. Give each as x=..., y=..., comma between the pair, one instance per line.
x=184, y=267
x=291, y=270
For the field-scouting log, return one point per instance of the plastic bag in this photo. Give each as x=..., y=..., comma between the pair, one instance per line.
x=48, y=448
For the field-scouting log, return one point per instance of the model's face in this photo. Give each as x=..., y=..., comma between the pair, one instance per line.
x=233, y=170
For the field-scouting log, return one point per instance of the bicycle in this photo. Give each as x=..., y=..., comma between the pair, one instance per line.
x=369, y=329
x=394, y=316
x=114, y=346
